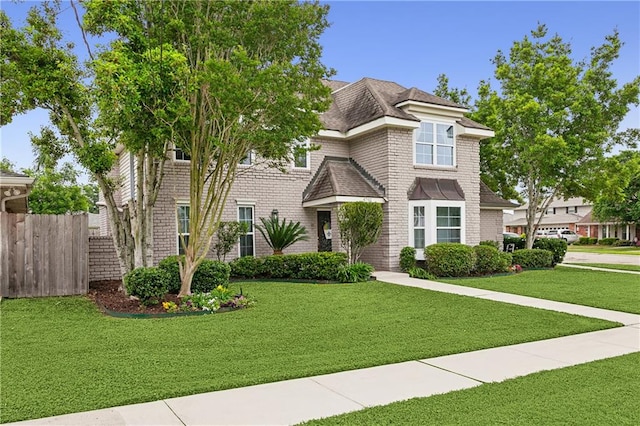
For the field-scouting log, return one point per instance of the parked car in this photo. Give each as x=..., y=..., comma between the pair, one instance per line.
x=510, y=235
x=569, y=236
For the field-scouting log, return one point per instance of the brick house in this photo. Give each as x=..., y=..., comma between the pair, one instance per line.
x=575, y=215
x=413, y=152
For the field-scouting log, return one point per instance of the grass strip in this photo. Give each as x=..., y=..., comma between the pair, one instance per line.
x=599, y=393
x=605, y=250
x=61, y=355
x=608, y=266
x=600, y=289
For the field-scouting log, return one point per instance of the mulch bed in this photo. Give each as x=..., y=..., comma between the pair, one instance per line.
x=110, y=295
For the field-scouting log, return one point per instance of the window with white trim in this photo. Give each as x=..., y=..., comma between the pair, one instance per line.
x=180, y=155
x=302, y=155
x=183, y=226
x=418, y=228
x=435, y=221
x=448, y=224
x=248, y=159
x=434, y=144
x=247, y=241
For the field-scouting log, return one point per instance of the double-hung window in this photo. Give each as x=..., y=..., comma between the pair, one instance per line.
x=247, y=241
x=435, y=221
x=248, y=159
x=183, y=226
x=418, y=228
x=434, y=144
x=301, y=155
x=448, y=224
x=181, y=155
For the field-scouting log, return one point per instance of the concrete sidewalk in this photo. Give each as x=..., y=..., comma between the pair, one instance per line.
x=294, y=401
x=621, y=259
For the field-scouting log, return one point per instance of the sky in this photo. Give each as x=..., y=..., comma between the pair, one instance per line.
x=412, y=42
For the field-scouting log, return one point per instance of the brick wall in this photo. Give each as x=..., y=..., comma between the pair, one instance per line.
x=491, y=225
x=103, y=262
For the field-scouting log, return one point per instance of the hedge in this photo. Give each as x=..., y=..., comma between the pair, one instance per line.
x=557, y=246
x=449, y=259
x=533, y=258
x=305, y=266
x=147, y=284
x=490, y=260
x=209, y=275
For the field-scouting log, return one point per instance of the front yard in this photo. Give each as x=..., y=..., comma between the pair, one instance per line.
x=597, y=393
x=60, y=355
x=607, y=290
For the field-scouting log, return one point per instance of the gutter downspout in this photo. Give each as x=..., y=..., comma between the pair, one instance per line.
x=13, y=197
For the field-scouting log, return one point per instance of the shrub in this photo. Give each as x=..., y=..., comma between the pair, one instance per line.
x=316, y=266
x=171, y=265
x=583, y=241
x=246, y=267
x=306, y=266
x=557, y=246
x=407, y=258
x=227, y=236
x=518, y=243
x=360, y=224
x=490, y=243
x=607, y=241
x=209, y=275
x=278, y=235
x=489, y=260
x=417, y=272
x=533, y=258
x=147, y=284
x=355, y=273
x=623, y=243
x=593, y=241
x=449, y=259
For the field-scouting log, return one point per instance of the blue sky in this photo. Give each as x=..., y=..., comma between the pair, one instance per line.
x=413, y=42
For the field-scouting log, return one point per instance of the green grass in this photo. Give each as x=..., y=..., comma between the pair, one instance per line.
x=605, y=250
x=608, y=290
x=60, y=355
x=609, y=266
x=598, y=393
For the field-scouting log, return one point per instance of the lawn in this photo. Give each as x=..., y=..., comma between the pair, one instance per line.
x=608, y=290
x=605, y=250
x=598, y=393
x=60, y=355
x=608, y=266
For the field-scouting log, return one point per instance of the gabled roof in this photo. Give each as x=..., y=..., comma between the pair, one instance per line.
x=368, y=99
x=489, y=199
x=341, y=177
x=5, y=173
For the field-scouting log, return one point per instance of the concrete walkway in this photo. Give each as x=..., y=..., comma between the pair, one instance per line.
x=293, y=401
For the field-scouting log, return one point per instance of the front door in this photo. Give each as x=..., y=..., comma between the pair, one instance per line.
x=324, y=230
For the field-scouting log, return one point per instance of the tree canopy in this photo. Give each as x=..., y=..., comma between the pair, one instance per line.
x=619, y=198
x=555, y=119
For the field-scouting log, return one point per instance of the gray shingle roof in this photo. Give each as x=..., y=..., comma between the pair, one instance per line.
x=339, y=176
x=368, y=99
x=488, y=198
x=4, y=173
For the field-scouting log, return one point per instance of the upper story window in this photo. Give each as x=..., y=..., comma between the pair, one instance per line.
x=248, y=159
x=434, y=144
x=181, y=155
x=301, y=155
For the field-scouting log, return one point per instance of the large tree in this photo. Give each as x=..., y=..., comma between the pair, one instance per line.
x=254, y=84
x=123, y=98
x=619, y=198
x=555, y=119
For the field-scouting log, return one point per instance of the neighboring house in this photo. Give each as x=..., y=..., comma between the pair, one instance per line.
x=573, y=214
x=14, y=190
x=412, y=152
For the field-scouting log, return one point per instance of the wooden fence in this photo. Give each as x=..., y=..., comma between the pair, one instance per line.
x=43, y=255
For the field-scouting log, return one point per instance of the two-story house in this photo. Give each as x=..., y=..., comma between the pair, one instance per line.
x=412, y=152
x=574, y=214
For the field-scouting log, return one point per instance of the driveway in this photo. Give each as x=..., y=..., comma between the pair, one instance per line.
x=621, y=259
